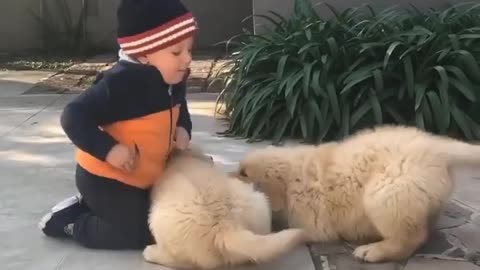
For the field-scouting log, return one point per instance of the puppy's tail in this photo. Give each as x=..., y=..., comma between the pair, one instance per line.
x=458, y=152
x=244, y=246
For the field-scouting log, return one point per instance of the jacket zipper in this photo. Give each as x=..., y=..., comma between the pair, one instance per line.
x=171, y=119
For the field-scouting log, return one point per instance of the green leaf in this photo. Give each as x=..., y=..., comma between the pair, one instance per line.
x=281, y=127
x=252, y=58
x=377, y=76
x=311, y=123
x=316, y=84
x=377, y=109
x=471, y=64
x=292, y=82
x=469, y=36
x=438, y=113
x=401, y=92
x=463, y=84
x=443, y=53
x=282, y=19
x=399, y=119
x=260, y=125
x=359, y=113
x=390, y=50
x=292, y=103
x=462, y=88
x=359, y=96
x=324, y=107
x=419, y=121
x=252, y=114
x=409, y=75
x=443, y=87
x=357, y=62
x=443, y=83
x=316, y=111
x=307, y=69
x=419, y=94
x=294, y=126
x=370, y=46
x=427, y=114
x=461, y=119
x=307, y=47
x=455, y=41
x=334, y=101
x=326, y=128
x=356, y=78
x=281, y=66
x=332, y=44
x=303, y=126
x=345, y=126
x=308, y=34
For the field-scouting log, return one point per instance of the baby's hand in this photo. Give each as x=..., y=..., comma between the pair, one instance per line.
x=121, y=157
x=182, y=139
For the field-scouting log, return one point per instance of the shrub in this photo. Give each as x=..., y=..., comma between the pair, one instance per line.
x=323, y=79
x=60, y=31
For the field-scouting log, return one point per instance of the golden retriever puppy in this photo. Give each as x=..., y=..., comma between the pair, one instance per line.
x=381, y=187
x=201, y=218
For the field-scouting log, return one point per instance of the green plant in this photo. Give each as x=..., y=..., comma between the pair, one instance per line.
x=321, y=79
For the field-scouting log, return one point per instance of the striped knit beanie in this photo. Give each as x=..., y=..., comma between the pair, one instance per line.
x=145, y=26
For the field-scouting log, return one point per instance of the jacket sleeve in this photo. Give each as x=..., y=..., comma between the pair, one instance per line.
x=184, y=119
x=82, y=117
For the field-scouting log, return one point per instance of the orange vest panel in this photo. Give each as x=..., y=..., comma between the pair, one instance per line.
x=151, y=135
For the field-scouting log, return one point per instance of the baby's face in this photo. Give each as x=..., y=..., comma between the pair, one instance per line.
x=173, y=62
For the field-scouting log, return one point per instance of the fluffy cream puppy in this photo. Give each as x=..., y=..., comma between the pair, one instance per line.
x=202, y=218
x=381, y=187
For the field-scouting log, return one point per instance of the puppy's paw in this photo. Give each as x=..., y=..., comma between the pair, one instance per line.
x=149, y=253
x=300, y=236
x=305, y=236
x=369, y=253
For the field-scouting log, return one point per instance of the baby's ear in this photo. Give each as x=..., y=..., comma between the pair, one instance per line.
x=142, y=59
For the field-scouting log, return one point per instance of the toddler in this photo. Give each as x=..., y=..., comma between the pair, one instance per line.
x=125, y=125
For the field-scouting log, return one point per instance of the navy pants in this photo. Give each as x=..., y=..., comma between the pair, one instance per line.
x=118, y=216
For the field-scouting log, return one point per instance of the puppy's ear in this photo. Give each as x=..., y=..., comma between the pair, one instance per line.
x=233, y=174
x=174, y=153
x=195, y=149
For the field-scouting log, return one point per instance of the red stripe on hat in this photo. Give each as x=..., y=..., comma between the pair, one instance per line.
x=158, y=29
x=164, y=45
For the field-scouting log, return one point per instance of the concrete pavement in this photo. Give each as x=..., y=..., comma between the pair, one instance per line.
x=37, y=168
x=37, y=171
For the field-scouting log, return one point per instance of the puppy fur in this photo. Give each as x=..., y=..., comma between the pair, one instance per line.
x=202, y=218
x=382, y=187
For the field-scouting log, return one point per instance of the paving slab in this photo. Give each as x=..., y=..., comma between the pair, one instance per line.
x=467, y=187
x=23, y=77
x=426, y=264
x=37, y=171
